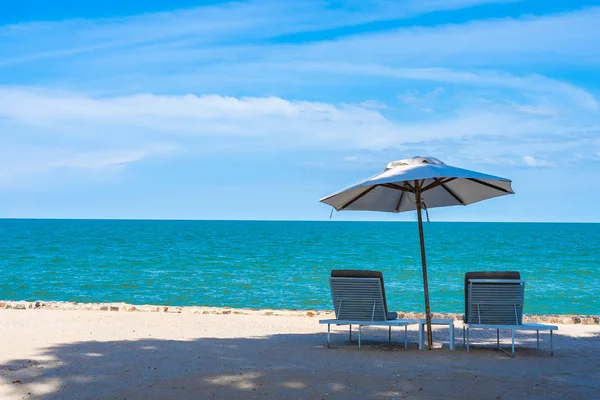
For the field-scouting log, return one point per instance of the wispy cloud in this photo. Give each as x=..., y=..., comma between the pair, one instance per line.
x=476, y=78
x=272, y=122
x=108, y=90
x=203, y=26
x=21, y=162
x=539, y=39
x=539, y=110
x=534, y=162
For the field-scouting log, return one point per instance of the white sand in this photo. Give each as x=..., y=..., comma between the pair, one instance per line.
x=116, y=355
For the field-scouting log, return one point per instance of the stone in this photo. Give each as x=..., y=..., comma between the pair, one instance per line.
x=310, y=314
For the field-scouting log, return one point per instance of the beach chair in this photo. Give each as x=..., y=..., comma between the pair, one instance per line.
x=359, y=299
x=494, y=300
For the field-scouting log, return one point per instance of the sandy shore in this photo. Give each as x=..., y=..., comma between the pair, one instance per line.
x=48, y=354
x=322, y=314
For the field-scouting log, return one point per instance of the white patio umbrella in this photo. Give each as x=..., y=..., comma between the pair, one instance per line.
x=419, y=183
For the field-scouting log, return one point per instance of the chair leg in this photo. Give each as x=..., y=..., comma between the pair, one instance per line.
x=551, y=345
x=405, y=337
x=420, y=336
x=350, y=334
x=513, y=341
x=451, y=334
x=464, y=342
x=359, y=329
x=497, y=338
x=328, y=333
x=468, y=339
x=537, y=334
x=390, y=334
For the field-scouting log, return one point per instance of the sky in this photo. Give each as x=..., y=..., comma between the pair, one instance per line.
x=256, y=109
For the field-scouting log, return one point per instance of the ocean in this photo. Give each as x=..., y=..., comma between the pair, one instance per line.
x=286, y=265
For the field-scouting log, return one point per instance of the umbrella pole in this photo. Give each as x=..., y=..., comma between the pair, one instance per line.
x=424, y=264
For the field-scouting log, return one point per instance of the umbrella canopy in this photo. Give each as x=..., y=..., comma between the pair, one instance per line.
x=419, y=183
x=440, y=185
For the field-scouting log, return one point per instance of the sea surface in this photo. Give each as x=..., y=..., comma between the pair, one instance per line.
x=285, y=265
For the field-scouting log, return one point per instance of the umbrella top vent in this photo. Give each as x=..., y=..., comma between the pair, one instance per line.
x=413, y=161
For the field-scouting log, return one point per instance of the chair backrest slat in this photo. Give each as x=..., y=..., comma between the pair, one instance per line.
x=495, y=301
x=358, y=299
x=485, y=275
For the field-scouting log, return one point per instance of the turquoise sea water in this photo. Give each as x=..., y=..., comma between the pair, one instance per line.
x=268, y=264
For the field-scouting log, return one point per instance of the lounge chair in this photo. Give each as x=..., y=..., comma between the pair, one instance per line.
x=494, y=300
x=359, y=299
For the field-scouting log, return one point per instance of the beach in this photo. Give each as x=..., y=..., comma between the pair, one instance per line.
x=208, y=353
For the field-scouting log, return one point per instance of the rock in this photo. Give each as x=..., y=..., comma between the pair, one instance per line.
x=226, y=312
x=310, y=314
x=104, y=308
x=21, y=306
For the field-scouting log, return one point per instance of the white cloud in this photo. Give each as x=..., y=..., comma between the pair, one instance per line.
x=19, y=162
x=181, y=113
x=280, y=122
x=421, y=101
x=118, y=123
x=565, y=38
x=538, y=110
x=533, y=162
x=201, y=26
x=409, y=97
x=100, y=135
x=374, y=104
x=478, y=78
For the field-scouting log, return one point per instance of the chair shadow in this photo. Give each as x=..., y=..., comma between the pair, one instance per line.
x=281, y=366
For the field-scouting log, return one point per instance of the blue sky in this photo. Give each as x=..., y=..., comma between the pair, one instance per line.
x=256, y=109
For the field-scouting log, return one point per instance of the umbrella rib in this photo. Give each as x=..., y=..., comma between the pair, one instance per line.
x=451, y=192
x=399, y=202
x=397, y=187
x=437, y=182
x=488, y=185
x=357, y=197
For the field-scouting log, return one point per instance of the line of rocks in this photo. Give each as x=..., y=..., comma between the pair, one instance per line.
x=124, y=307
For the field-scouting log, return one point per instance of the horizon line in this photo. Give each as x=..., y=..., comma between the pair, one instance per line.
x=284, y=220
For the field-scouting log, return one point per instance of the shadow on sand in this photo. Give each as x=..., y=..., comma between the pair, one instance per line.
x=300, y=366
